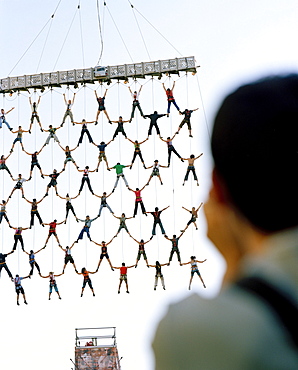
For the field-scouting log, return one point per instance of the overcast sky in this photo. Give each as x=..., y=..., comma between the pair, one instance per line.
x=233, y=42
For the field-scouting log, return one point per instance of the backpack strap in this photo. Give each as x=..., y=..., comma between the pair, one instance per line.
x=281, y=304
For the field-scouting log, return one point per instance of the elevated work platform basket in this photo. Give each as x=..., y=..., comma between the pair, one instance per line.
x=96, y=349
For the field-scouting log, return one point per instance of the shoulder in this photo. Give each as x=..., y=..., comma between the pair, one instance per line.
x=232, y=331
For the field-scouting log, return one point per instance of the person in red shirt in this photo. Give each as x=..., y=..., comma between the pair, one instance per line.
x=52, y=230
x=170, y=97
x=123, y=275
x=138, y=201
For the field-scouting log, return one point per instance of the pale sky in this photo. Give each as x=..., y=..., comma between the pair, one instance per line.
x=233, y=42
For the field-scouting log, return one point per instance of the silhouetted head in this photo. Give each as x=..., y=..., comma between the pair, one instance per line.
x=255, y=132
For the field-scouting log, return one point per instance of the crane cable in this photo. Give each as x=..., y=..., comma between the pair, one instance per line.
x=119, y=32
x=100, y=31
x=36, y=37
x=156, y=29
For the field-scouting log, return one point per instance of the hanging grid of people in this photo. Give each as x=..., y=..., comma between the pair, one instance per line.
x=72, y=162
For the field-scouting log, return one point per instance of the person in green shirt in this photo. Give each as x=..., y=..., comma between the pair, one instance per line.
x=119, y=172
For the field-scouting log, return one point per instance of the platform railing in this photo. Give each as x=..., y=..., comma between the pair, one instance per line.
x=90, y=75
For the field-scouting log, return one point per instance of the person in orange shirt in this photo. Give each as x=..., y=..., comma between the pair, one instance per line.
x=86, y=280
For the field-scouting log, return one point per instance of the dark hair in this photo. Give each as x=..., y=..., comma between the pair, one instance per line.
x=255, y=150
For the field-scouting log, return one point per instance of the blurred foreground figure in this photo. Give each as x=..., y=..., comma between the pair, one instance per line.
x=253, y=221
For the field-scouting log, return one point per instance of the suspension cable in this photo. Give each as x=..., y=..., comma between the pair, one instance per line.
x=52, y=16
x=156, y=30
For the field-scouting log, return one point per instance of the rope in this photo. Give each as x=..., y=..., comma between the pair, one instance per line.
x=203, y=106
x=156, y=30
x=140, y=30
x=119, y=33
x=100, y=32
x=81, y=32
x=41, y=55
x=66, y=37
x=52, y=16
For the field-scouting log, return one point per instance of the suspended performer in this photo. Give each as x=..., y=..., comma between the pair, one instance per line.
x=138, y=201
x=52, y=230
x=120, y=127
x=68, y=155
x=141, y=251
x=32, y=261
x=86, y=228
x=153, y=121
x=187, y=113
x=119, y=173
x=158, y=274
x=34, y=162
x=123, y=275
x=53, y=182
x=175, y=248
x=69, y=206
x=19, y=289
x=170, y=98
x=3, y=119
x=86, y=179
x=103, y=202
x=155, y=171
x=191, y=168
x=102, y=154
x=3, y=164
x=4, y=265
x=69, y=103
x=86, y=280
x=171, y=149
x=67, y=257
x=194, y=270
x=19, y=185
x=3, y=212
x=34, y=211
x=104, y=253
x=135, y=102
x=194, y=216
x=18, y=237
x=122, y=225
x=19, y=137
x=101, y=106
x=52, y=134
x=53, y=283
x=137, y=151
x=156, y=219
x=84, y=131
x=34, y=114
